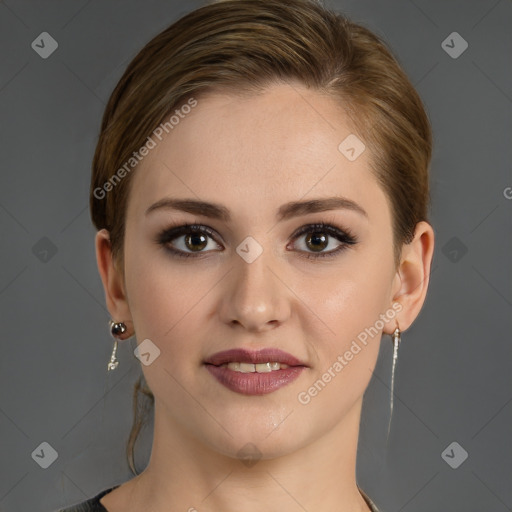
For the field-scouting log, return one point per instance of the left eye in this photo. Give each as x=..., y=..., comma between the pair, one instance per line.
x=317, y=239
x=194, y=239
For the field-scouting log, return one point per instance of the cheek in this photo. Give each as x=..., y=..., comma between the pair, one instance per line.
x=165, y=303
x=347, y=356
x=350, y=299
x=346, y=320
x=162, y=299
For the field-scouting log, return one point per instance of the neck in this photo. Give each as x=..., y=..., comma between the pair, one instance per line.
x=191, y=476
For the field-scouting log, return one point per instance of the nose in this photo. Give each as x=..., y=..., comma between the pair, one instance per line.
x=255, y=295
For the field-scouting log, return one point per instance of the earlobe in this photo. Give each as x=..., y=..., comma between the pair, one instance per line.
x=413, y=275
x=111, y=278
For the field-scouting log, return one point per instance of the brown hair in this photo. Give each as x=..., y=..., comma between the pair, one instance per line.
x=242, y=46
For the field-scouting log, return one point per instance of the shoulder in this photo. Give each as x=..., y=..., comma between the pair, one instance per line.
x=90, y=505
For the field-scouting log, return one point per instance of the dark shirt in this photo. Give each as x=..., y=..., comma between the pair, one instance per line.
x=94, y=505
x=91, y=505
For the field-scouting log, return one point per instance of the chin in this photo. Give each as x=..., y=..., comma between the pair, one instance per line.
x=250, y=449
x=259, y=437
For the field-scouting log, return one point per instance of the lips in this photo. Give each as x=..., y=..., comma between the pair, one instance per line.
x=266, y=355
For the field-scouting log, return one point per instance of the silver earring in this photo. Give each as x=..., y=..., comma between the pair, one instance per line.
x=116, y=330
x=396, y=338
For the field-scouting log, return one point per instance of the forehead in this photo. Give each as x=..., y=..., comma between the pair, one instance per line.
x=256, y=152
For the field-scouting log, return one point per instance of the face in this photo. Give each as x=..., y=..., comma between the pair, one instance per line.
x=264, y=278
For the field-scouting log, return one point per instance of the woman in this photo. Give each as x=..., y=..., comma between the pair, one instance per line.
x=260, y=190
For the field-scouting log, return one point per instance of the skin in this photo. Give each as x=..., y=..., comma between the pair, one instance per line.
x=252, y=155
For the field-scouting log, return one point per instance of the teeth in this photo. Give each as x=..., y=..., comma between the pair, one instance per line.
x=255, y=368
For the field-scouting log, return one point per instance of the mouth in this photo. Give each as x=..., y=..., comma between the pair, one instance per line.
x=254, y=372
x=247, y=361
x=255, y=368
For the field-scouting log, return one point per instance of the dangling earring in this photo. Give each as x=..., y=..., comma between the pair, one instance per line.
x=396, y=338
x=117, y=329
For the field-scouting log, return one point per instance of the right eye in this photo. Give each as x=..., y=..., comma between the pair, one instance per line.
x=194, y=239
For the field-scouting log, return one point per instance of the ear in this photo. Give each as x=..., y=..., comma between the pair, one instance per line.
x=113, y=282
x=413, y=276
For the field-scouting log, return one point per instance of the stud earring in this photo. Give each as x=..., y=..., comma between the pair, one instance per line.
x=117, y=329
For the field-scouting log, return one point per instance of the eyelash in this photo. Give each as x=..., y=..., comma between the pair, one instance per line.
x=345, y=236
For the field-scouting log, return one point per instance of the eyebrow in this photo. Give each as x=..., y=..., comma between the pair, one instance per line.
x=285, y=212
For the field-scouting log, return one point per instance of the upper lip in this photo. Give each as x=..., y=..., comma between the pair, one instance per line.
x=242, y=355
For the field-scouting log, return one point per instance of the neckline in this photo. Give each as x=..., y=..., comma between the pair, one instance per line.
x=366, y=498
x=103, y=493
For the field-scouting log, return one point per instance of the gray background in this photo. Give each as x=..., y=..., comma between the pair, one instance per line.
x=453, y=380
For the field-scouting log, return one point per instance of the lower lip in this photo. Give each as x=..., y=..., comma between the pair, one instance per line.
x=254, y=383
